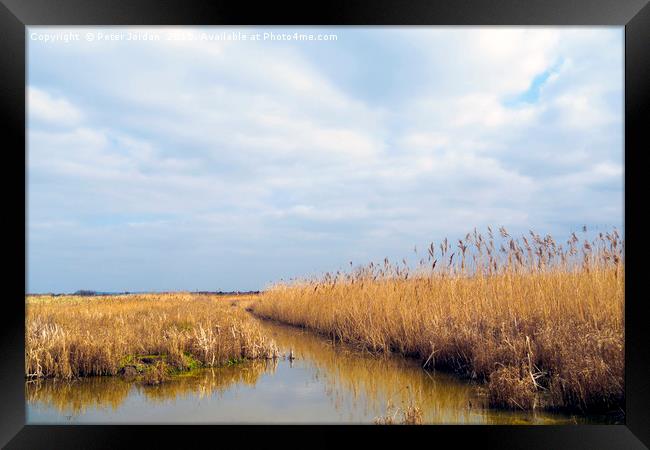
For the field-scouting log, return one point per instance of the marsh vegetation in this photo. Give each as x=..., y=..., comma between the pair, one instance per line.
x=524, y=324
x=539, y=323
x=326, y=383
x=150, y=336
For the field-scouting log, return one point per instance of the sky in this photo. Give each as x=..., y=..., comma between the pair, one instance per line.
x=192, y=159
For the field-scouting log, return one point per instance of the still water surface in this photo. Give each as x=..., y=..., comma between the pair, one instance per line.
x=326, y=383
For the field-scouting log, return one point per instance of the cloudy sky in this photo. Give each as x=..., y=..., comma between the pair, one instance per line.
x=194, y=162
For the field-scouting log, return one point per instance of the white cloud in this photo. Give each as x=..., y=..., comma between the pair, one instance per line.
x=52, y=109
x=488, y=111
x=262, y=152
x=511, y=57
x=583, y=109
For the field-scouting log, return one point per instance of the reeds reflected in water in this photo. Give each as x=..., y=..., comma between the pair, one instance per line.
x=76, y=397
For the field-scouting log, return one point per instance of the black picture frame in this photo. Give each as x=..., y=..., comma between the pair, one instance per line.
x=634, y=15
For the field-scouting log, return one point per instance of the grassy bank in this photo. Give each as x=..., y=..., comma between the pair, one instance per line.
x=151, y=335
x=540, y=323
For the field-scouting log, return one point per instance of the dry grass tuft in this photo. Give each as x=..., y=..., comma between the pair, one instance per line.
x=156, y=374
x=411, y=414
x=541, y=323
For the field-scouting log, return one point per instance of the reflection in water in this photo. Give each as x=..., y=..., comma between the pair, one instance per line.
x=356, y=380
x=77, y=396
x=325, y=383
x=208, y=382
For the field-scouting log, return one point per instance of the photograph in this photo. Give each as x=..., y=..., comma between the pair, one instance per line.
x=380, y=225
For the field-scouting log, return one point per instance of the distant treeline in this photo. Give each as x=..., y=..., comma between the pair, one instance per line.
x=89, y=293
x=226, y=292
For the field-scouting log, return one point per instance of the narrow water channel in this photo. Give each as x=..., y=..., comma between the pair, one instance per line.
x=325, y=383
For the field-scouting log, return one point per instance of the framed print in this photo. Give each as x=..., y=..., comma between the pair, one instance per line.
x=414, y=218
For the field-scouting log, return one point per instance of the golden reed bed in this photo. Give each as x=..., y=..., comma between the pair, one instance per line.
x=81, y=336
x=540, y=323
